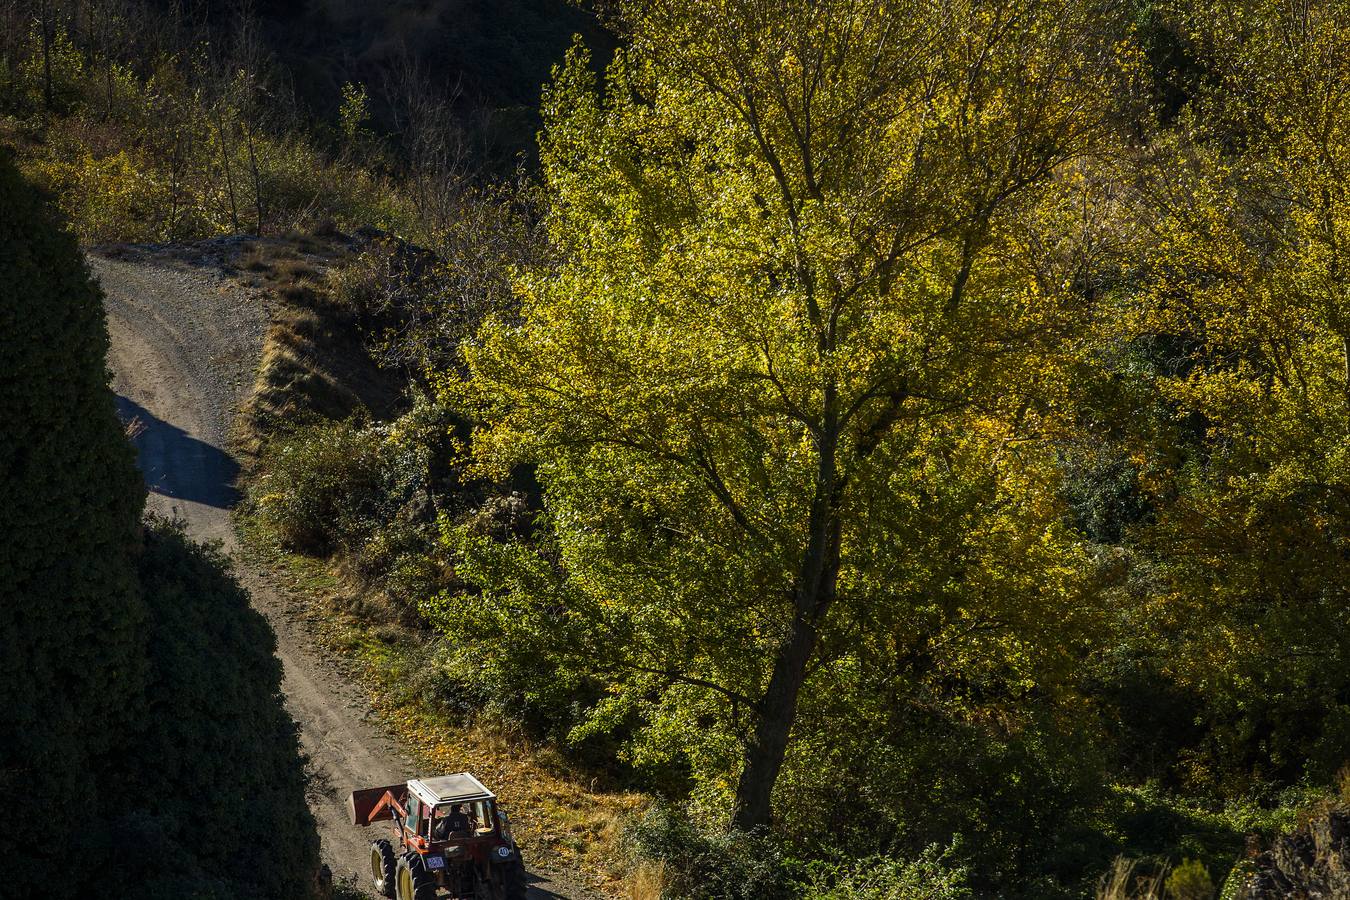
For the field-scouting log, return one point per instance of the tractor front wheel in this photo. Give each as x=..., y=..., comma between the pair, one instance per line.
x=382, y=867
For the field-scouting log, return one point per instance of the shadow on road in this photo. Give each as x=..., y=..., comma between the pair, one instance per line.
x=176, y=464
x=537, y=891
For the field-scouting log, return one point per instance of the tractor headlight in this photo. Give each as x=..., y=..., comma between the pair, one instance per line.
x=504, y=852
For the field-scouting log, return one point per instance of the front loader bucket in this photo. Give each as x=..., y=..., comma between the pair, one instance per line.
x=361, y=804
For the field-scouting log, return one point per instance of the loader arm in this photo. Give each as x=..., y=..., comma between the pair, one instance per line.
x=379, y=804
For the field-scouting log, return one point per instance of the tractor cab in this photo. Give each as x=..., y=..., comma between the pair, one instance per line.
x=448, y=835
x=453, y=810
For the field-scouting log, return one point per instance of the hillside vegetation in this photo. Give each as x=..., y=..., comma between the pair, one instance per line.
x=145, y=747
x=908, y=443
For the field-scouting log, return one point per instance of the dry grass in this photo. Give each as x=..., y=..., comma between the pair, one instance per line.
x=275, y=263
x=1124, y=882
x=647, y=882
x=254, y=259
x=313, y=361
x=294, y=271
x=313, y=365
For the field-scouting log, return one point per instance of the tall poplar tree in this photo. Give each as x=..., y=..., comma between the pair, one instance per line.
x=816, y=282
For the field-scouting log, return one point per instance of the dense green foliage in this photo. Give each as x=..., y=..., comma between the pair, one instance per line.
x=143, y=742
x=330, y=485
x=1249, y=269
x=740, y=387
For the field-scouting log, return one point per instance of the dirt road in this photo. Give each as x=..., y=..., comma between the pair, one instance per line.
x=185, y=343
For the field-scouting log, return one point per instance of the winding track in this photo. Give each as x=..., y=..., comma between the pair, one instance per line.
x=185, y=344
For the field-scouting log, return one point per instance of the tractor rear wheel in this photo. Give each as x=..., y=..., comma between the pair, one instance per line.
x=484, y=889
x=403, y=879
x=513, y=875
x=382, y=867
x=413, y=879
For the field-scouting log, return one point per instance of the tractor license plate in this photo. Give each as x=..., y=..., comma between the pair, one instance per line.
x=435, y=862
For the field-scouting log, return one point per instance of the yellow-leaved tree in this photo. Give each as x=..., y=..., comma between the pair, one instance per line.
x=819, y=269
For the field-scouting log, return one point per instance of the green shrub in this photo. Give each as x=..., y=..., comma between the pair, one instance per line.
x=709, y=864
x=404, y=558
x=112, y=197
x=71, y=621
x=1190, y=881
x=929, y=877
x=323, y=487
x=360, y=490
x=67, y=72
x=217, y=757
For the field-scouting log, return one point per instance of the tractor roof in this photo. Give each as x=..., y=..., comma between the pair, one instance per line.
x=460, y=788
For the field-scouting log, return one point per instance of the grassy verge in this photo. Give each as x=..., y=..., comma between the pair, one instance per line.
x=563, y=819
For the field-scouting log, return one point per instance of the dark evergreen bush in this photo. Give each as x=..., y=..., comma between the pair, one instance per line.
x=72, y=663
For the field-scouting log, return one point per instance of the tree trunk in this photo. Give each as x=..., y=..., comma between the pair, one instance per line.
x=778, y=708
x=814, y=594
x=76, y=14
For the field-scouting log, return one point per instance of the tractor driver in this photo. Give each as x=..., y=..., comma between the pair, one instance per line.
x=453, y=822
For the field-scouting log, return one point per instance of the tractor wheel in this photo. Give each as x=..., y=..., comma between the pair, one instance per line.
x=382, y=867
x=414, y=881
x=403, y=882
x=513, y=876
x=423, y=883
x=486, y=890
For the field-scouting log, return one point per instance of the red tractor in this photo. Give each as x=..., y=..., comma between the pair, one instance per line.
x=448, y=835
